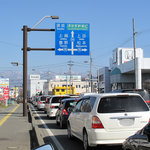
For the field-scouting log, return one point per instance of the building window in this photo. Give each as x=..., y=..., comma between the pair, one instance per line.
x=101, y=77
x=63, y=90
x=57, y=90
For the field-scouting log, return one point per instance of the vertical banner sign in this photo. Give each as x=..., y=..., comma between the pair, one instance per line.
x=4, y=88
x=72, y=39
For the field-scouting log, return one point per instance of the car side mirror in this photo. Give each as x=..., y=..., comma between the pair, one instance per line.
x=45, y=147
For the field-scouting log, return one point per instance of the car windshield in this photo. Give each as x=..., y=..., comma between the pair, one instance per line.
x=122, y=104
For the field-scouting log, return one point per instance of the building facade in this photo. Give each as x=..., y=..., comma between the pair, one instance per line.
x=104, y=80
x=76, y=82
x=123, y=75
x=35, y=85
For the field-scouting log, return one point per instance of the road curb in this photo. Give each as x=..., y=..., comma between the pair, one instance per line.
x=35, y=128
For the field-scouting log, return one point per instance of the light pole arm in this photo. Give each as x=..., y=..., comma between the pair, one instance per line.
x=53, y=17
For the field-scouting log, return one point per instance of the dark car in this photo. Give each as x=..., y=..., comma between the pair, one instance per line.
x=65, y=108
x=139, y=141
x=144, y=93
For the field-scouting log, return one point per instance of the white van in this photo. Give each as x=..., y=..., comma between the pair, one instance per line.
x=103, y=119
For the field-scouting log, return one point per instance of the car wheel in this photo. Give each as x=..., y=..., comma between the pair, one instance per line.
x=69, y=132
x=85, y=141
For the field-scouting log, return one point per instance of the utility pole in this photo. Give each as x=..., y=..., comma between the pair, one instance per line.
x=98, y=80
x=70, y=63
x=91, y=73
x=135, y=71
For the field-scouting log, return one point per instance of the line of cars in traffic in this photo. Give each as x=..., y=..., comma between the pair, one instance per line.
x=101, y=119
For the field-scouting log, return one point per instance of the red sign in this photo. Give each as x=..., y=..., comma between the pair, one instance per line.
x=4, y=88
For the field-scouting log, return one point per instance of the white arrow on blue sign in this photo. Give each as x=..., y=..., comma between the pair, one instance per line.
x=72, y=39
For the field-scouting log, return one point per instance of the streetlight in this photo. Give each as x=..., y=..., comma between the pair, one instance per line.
x=25, y=49
x=16, y=63
x=53, y=17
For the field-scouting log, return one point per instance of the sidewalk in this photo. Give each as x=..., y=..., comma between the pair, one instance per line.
x=14, y=129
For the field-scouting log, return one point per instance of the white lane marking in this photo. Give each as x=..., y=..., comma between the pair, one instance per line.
x=58, y=145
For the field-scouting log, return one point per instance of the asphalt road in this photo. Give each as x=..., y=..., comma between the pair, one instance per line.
x=61, y=135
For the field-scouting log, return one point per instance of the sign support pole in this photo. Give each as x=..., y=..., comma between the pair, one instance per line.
x=25, y=50
x=24, y=70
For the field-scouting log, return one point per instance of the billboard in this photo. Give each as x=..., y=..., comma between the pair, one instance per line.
x=34, y=77
x=4, y=88
x=63, y=78
x=127, y=55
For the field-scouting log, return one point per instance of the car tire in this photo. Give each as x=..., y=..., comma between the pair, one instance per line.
x=85, y=141
x=69, y=134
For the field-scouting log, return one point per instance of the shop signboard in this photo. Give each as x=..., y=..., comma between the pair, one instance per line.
x=4, y=88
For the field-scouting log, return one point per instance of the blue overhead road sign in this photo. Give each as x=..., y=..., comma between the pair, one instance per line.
x=72, y=39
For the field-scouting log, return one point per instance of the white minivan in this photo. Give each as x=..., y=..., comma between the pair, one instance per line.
x=53, y=104
x=107, y=119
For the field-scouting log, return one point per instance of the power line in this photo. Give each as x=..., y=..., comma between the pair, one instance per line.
x=8, y=43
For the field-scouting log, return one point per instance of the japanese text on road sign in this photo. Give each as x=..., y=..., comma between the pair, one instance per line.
x=71, y=39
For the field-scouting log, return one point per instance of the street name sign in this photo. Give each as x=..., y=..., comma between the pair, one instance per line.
x=72, y=39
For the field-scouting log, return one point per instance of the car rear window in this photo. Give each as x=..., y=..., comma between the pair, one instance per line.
x=122, y=104
x=58, y=99
x=71, y=104
x=143, y=93
x=43, y=98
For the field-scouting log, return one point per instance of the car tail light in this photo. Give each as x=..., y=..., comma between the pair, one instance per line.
x=40, y=102
x=64, y=112
x=147, y=101
x=52, y=106
x=96, y=123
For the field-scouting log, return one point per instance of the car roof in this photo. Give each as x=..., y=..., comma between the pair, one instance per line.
x=85, y=94
x=60, y=96
x=70, y=99
x=112, y=94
